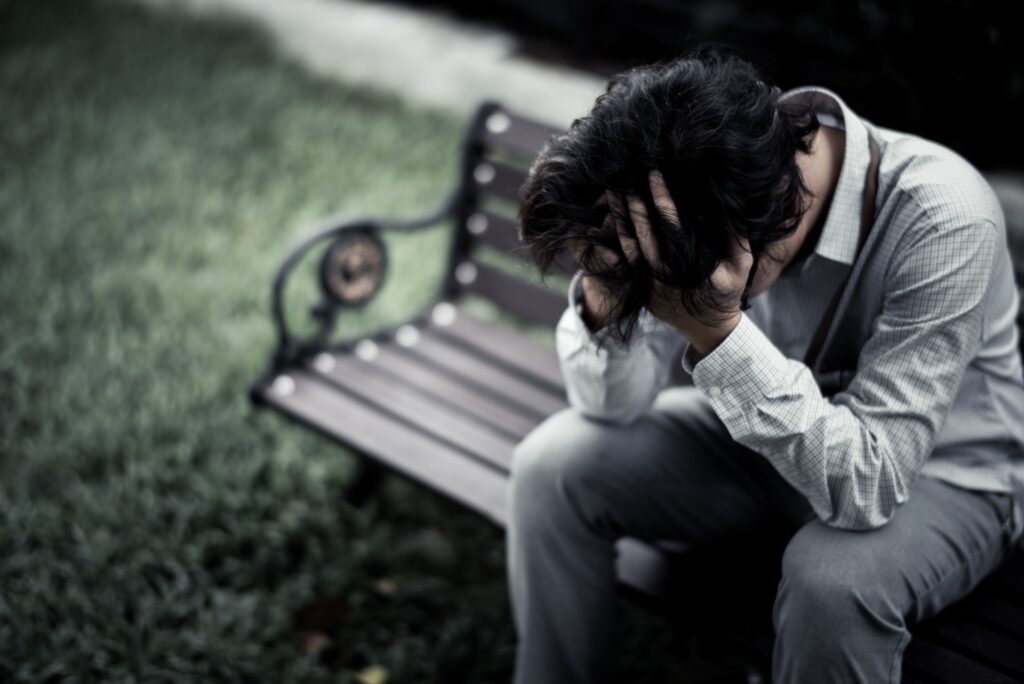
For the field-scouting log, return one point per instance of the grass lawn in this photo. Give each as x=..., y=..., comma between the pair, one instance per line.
x=153, y=526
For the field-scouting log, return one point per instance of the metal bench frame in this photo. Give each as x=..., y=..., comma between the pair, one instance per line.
x=444, y=397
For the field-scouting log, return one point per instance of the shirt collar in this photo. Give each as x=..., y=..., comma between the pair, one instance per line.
x=838, y=238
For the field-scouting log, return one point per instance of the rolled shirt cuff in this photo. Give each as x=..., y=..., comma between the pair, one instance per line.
x=586, y=339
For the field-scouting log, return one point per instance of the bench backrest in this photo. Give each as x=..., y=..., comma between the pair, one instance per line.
x=497, y=153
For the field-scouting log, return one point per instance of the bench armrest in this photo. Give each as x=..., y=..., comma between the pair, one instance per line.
x=331, y=232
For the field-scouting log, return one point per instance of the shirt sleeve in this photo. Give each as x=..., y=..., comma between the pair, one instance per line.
x=855, y=455
x=617, y=382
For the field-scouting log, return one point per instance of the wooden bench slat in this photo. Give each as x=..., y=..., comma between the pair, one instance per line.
x=501, y=233
x=511, y=348
x=991, y=648
x=519, y=297
x=499, y=179
x=935, y=663
x=991, y=609
x=419, y=373
x=1009, y=578
x=426, y=411
x=524, y=137
x=399, y=446
x=500, y=383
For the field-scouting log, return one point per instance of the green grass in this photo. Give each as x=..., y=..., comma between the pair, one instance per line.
x=153, y=526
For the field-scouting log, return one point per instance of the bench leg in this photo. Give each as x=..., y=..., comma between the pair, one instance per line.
x=367, y=480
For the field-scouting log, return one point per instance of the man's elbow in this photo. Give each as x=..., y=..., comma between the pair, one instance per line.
x=867, y=497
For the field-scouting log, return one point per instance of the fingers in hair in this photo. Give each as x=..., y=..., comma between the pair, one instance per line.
x=644, y=233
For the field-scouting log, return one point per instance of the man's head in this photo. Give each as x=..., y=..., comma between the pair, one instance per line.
x=726, y=147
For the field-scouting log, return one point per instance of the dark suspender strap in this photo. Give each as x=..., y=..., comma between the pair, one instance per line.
x=867, y=216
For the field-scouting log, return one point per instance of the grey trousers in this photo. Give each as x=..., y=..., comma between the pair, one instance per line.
x=846, y=597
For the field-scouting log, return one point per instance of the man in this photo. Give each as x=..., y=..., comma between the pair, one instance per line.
x=709, y=211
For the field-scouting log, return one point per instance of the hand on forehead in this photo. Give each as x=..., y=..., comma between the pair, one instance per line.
x=644, y=244
x=667, y=208
x=648, y=244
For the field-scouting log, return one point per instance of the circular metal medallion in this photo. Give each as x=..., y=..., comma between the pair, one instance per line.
x=353, y=266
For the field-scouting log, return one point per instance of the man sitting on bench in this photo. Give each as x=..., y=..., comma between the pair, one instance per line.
x=845, y=300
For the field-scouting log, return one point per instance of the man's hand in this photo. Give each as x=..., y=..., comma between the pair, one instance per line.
x=598, y=302
x=729, y=278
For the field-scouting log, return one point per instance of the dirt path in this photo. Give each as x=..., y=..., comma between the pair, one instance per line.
x=431, y=57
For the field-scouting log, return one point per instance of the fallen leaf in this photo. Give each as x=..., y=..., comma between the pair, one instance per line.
x=374, y=674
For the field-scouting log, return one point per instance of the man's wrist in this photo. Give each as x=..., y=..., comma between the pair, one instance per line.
x=707, y=338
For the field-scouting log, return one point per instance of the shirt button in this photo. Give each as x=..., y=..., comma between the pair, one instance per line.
x=715, y=390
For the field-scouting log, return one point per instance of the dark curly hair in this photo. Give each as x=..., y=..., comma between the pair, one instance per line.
x=726, y=146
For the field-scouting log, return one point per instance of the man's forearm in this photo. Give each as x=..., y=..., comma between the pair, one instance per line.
x=620, y=381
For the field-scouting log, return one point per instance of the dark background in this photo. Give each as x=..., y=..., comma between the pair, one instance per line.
x=947, y=70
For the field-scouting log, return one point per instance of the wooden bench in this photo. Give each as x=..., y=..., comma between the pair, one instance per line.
x=444, y=398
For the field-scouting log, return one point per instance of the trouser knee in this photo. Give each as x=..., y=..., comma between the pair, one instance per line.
x=556, y=468
x=835, y=608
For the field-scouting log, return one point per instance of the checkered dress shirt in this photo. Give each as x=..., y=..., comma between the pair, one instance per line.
x=924, y=374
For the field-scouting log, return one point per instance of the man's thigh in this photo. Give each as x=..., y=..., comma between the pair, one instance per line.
x=673, y=474
x=938, y=545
